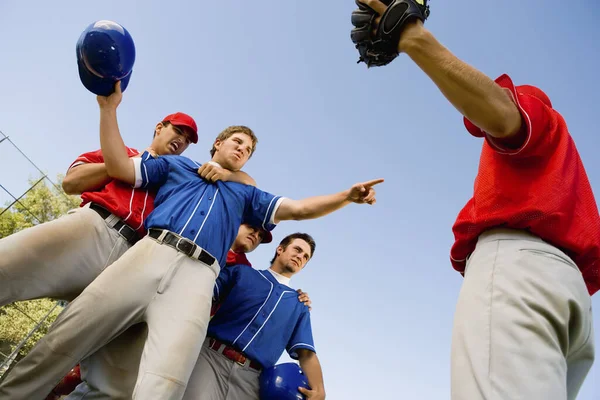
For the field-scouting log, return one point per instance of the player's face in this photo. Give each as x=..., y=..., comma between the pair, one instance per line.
x=295, y=256
x=233, y=152
x=248, y=238
x=171, y=139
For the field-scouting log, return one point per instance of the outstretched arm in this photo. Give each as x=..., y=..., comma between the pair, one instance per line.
x=319, y=206
x=118, y=164
x=471, y=92
x=309, y=362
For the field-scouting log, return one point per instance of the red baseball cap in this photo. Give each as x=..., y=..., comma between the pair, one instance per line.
x=182, y=119
x=267, y=236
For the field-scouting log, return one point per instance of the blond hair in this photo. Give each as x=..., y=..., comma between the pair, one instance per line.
x=230, y=131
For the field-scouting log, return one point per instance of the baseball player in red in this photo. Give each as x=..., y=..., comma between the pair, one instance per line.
x=58, y=259
x=528, y=241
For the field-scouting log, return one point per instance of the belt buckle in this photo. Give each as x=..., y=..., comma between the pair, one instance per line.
x=127, y=232
x=188, y=253
x=243, y=364
x=121, y=229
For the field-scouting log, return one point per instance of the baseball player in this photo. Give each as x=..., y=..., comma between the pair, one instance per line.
x=58, y=259
x=114, y=378
x=241, y=341
x=528, y=242
x=166, y=279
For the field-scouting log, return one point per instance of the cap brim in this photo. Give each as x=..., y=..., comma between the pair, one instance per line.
x=97, y=85
x=193, y=134
x=267, y=237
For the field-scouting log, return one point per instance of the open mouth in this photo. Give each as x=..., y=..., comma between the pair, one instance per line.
x=174, y=146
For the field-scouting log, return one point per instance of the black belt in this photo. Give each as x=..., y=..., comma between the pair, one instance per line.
x=182, y=244
x=124, y=230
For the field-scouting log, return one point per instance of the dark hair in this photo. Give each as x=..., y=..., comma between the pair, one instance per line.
x=289, y=238
x=165, y=124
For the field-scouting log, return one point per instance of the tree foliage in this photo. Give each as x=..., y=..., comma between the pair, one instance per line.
x=43, y=203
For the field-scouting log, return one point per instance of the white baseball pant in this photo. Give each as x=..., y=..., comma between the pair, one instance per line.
x=523, y=323
x=150, y=283
x=58, y=259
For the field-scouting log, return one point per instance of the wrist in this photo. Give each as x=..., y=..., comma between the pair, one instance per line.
x=108, y=110
x=412, y=33
x=347, y=194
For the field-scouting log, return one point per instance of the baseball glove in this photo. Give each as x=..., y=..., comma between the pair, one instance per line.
x=380, y=47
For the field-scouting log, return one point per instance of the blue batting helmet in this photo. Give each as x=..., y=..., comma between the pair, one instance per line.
x=281, y=382
x=105, y=55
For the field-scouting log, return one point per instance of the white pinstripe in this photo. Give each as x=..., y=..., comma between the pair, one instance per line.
x=266, y=320
x=190, y=218
x=207, y=214
x=258, y=312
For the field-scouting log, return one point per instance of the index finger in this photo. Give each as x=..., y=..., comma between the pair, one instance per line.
x=373, y=182
x=375, y=5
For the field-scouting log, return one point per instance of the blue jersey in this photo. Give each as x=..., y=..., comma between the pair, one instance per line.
x=207, y=213
x=259, y=316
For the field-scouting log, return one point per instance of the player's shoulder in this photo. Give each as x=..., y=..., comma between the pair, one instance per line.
x=240, y=270
x=181, y=160
x=132, y=151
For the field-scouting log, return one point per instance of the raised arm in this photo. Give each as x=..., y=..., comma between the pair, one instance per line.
x=85, y=177
x=319, y=206
x=472, y=93
x=118, y=164
x=309, y=362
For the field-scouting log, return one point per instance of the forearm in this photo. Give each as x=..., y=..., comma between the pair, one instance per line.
x=85, y=177
x=118, y=164
x=309, y=362
x=242, y=177
x=471, y=92
x=312, y=207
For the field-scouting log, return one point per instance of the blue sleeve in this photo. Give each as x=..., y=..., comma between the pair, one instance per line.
x=225, y=282
x=302, y=337
x=152, y=172
x=260, y=208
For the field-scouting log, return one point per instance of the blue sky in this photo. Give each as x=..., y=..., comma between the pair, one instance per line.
x=381, y=283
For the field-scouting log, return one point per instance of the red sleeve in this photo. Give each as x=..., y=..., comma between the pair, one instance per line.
x=95, y=157
x=540, y=123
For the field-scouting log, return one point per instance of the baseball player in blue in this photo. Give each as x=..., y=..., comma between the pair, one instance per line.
x=167, y=278
x=114, y=379
x=259, y=317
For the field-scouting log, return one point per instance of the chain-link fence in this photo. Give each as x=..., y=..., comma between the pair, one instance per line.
x=22, y=324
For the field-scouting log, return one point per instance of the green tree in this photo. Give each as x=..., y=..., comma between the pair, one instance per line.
x=43, y=203
x=18, y=320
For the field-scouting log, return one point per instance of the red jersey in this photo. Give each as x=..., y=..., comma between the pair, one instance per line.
x=121, y=199
x=541, y=187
